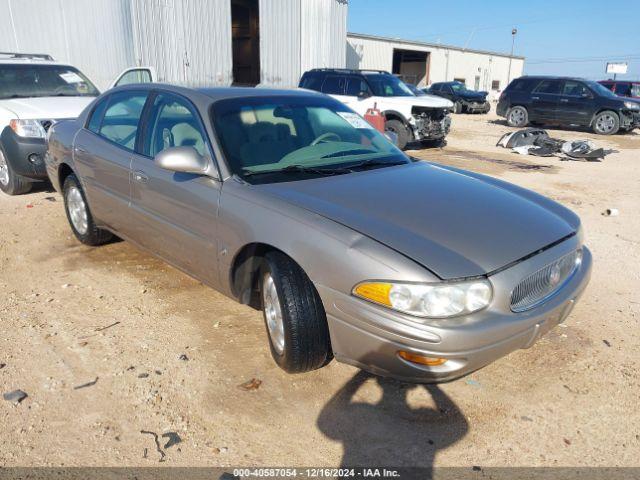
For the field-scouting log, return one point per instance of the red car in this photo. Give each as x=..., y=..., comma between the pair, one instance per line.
x=623, y=88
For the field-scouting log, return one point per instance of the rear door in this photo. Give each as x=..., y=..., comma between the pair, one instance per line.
x=136, y=75
x=576, y=104
x=102, y=156
x=175, y=213
x=544, y=100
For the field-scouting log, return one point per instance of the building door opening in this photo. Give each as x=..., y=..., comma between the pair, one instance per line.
x=245, y=33
x=411, y=66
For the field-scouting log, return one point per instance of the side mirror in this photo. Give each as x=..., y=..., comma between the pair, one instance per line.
x=363, y=94
x=182, y=159
x=392, y=137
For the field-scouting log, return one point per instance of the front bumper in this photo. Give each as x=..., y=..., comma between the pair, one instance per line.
x=425, y=128
x=25, y=155
x=370, y=337
x=474, y=107
x=630, y=119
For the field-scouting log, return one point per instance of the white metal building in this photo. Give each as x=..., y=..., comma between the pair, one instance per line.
x=190, y=42
x=423, y=63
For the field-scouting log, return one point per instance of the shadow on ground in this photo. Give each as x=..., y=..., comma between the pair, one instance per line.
x=391, y=432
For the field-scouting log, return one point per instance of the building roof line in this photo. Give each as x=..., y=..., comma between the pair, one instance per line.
x=431, y=45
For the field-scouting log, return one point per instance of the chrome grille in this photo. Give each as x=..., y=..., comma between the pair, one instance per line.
x=539, y=286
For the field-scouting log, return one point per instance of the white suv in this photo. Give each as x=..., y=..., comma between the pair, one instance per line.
x=410, y=117
x=35, y=92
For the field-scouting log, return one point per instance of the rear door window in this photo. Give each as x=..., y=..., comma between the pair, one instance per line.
x=122, y=118
x=334, y=84
x=355, y=85
x=548, y=86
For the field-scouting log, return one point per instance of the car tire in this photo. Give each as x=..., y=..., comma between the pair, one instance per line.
x=294, y=316
x=517, y=116
x=10, y=182
x=457, y=107
x=401, y=130
x=606, y=123
x=79, y=214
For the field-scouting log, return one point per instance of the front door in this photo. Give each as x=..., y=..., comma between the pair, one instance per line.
x=176, y=212
x=576, y=104
x=102, y=156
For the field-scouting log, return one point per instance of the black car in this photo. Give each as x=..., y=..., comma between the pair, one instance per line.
x=464, y=100
x=567, y=101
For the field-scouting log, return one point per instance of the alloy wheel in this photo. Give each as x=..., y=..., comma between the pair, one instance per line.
x=273, y=313
x=606, y=123
x=77, y=210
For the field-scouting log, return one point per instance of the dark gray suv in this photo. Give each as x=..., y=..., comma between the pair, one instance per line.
x=566, y=101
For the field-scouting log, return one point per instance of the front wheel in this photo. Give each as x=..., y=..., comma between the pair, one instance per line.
x=401, y=130
x=606, y=123
x=294, y=316
x=517, y=117
x=79, y=215
x=10, y=182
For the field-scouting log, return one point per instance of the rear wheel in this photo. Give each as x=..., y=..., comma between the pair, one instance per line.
x=294, y=316
x=517, y=116
x=79, y=215
x=606, y=123
x=10, y=182
x=401, y=130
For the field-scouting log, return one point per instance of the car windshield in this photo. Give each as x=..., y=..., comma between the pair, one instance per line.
x=600, y=89
x=283, y=138
x=458, y=87
x=386, y=85
x=27, y=81
x=416, y=91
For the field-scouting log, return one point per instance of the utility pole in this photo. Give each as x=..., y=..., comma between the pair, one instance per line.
x=513, y=41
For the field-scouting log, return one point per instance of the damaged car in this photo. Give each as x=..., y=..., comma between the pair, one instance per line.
x=567, y=102
x=464, y=100
x=290, y=202
x=423, y=119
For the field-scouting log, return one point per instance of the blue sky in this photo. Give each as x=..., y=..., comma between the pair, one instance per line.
x=564, y=37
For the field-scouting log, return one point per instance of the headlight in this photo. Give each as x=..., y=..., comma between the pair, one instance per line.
x=632, y=105
x=28, y=128
x=439, y=300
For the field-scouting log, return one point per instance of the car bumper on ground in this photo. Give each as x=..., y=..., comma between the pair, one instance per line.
x=475, y=107
x=370, y=337
x=25, y=155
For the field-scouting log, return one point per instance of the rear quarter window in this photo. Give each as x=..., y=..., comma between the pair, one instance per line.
x=312, y=82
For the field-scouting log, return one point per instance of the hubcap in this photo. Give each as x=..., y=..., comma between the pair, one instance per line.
x=606, y=123
x=273, y=313
x=517, y=116
x=4, y=170
x=77, y=210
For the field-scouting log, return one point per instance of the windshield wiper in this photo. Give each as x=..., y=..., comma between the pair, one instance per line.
x=375, y=163
x=298, y=169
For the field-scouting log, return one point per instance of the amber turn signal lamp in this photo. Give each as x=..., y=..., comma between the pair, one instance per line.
x=376, y=292
x=420, y=359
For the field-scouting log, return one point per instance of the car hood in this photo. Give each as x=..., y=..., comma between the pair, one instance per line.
x=429, y=101
x=472, y=95
x=46, y=107
x=455, y=223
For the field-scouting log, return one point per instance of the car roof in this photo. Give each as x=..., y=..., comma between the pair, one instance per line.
x=214, y=94
x=347, y=71
x=29, y=61
x=550, y=77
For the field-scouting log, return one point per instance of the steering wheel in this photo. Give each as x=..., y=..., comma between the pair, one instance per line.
x=325, y=137
x=61, y=89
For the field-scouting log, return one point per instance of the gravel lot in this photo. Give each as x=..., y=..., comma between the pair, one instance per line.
x=169, y=354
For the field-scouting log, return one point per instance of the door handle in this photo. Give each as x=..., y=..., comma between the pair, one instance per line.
x=535, y=98
x=78, y=149
x=140, y=177
x=564, y=100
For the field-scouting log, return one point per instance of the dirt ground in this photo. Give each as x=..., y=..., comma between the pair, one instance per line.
x=169, y=354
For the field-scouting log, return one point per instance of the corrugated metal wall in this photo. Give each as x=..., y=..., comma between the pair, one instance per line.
x=446, y=63
x=324, y=30
x=187, y=41
x=96, y=39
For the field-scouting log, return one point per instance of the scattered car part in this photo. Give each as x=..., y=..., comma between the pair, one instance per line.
x=535, y=141
x=15, y=396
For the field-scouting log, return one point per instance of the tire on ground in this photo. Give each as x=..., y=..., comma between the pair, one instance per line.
x=517, y=116
x=94, y=236
x=612, y=126
x=15, y=184
x=400, y=129
x=307, y=345
x=457, y=107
